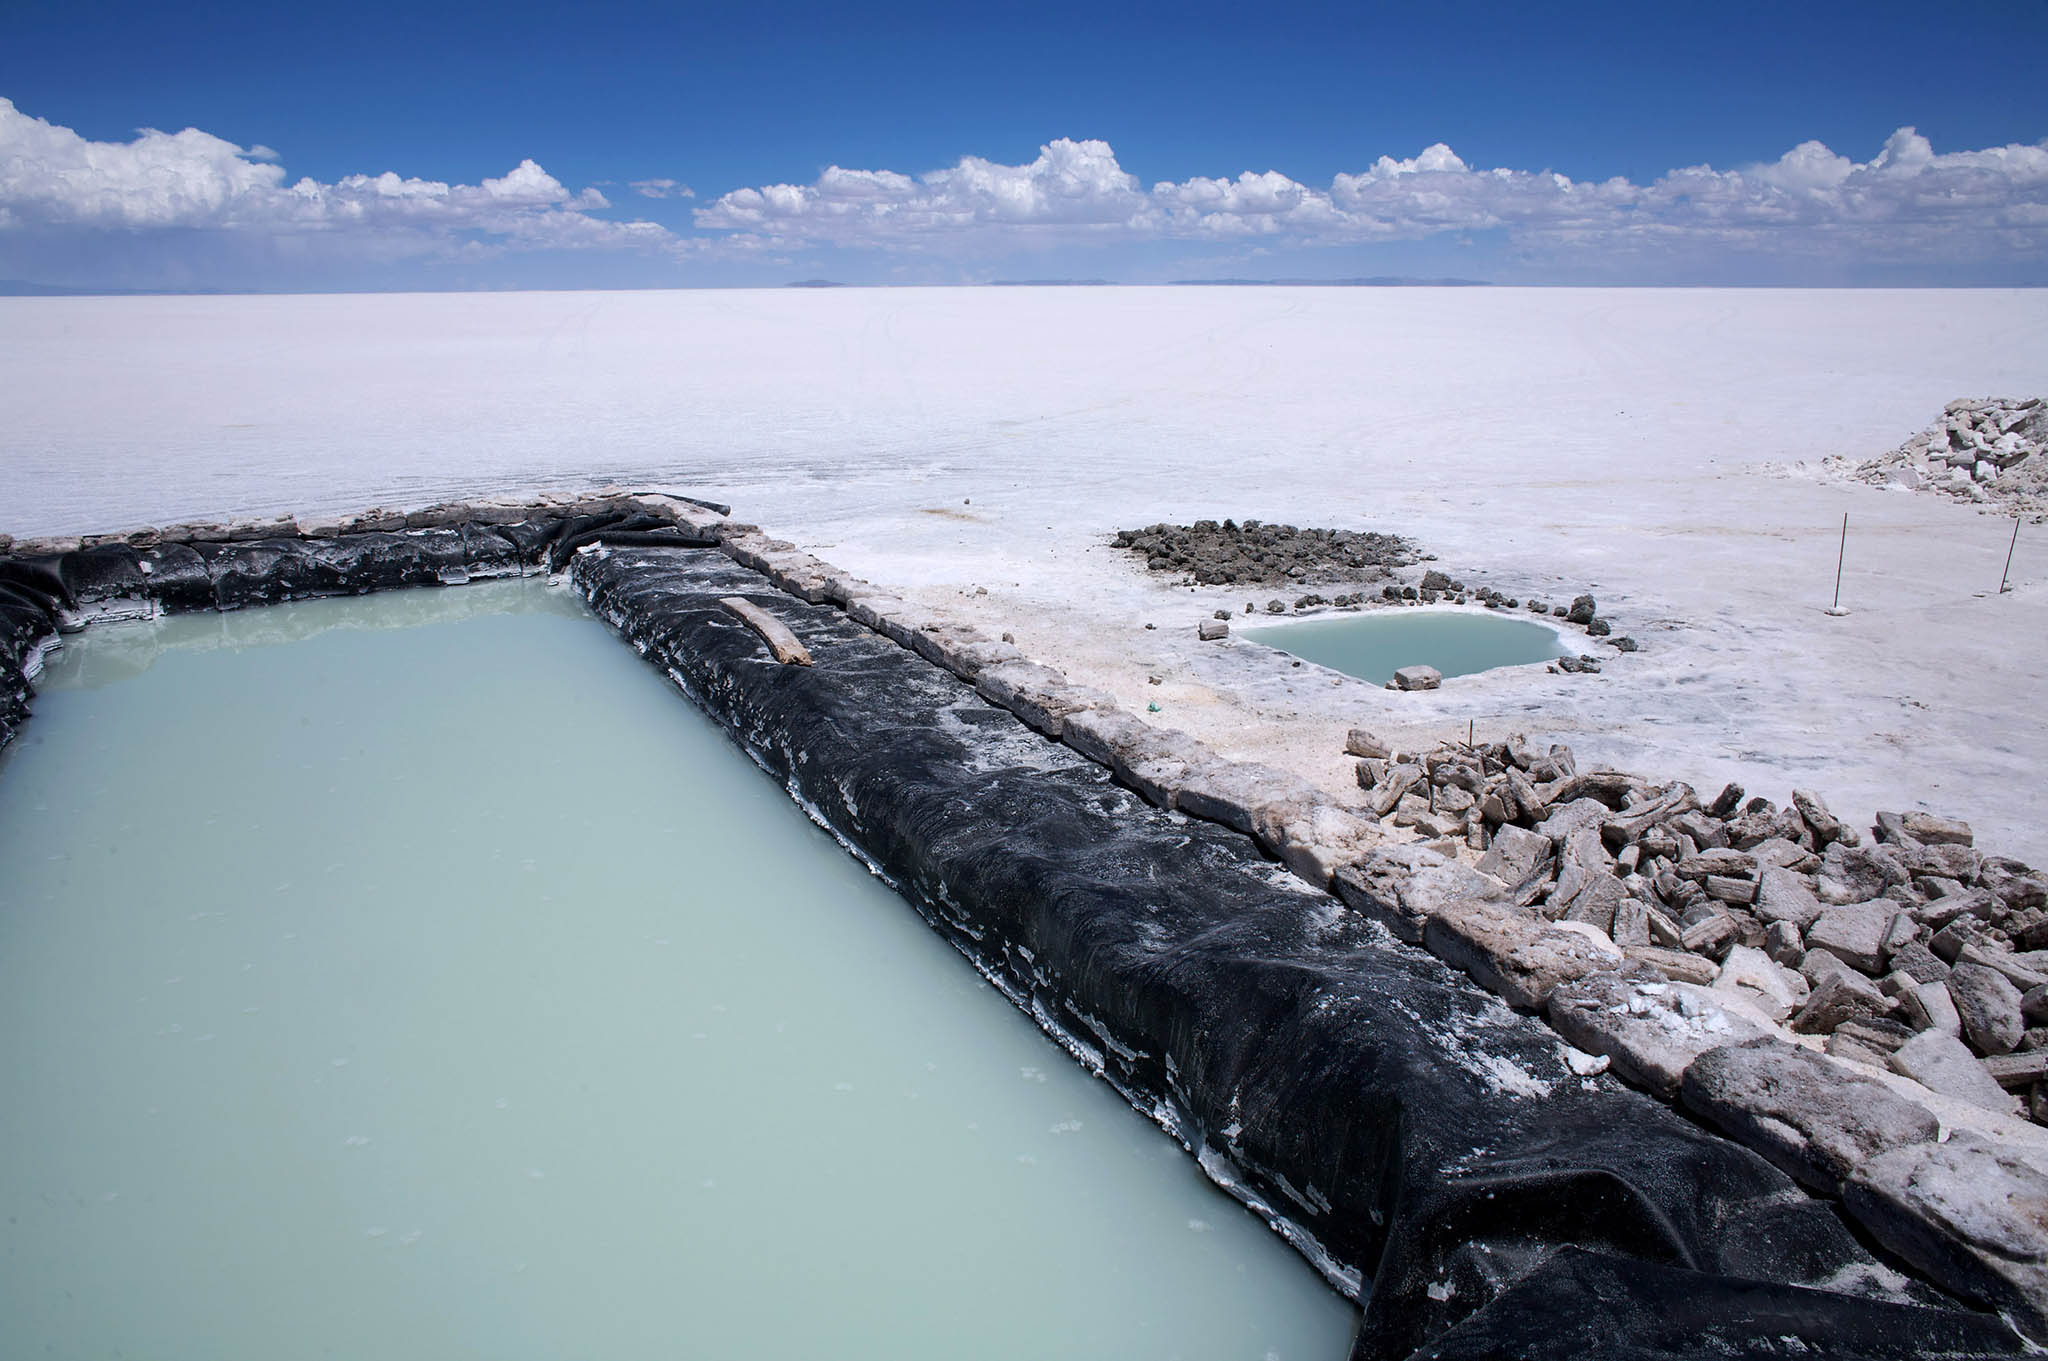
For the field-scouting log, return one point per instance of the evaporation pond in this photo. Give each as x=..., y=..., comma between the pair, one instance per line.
x=421, y=976
x=1374, y=646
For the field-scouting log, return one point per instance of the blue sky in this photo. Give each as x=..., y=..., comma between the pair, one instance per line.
x=1007, y=141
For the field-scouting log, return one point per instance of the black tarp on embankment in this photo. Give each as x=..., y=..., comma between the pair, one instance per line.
x=1498, y=1204
x=181, y=577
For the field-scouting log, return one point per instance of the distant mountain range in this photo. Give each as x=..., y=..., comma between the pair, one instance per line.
x=992, y=283
x=23, y=288
x=1376, y=281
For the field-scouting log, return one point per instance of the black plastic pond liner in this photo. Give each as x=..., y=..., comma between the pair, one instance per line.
x=640, y=530
x=1585, y=1306
x=1498, y=1204
x=229, y=575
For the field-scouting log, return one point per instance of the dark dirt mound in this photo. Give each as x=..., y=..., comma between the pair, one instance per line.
x=1252, y=553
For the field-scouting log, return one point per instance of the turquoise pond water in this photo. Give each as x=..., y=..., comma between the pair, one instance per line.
x=1374, y=646
x=420, y=976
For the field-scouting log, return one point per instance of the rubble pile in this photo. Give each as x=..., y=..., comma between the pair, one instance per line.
x=1869, y=945
x=1988, y=450
x=1254, y=554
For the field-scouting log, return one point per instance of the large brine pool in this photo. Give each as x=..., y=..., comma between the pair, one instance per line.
x=1374, y=646
x=420, y=976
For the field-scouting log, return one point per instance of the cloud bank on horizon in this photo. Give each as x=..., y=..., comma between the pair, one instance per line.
x=1905, y=200
x=1906, y=206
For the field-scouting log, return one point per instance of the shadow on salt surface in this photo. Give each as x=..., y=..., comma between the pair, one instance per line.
x=1457, y=642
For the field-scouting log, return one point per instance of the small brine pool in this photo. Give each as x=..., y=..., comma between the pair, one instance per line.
x=420, y=976
x=1374, y=646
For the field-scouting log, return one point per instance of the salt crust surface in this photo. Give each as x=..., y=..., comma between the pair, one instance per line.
x=1542, y=441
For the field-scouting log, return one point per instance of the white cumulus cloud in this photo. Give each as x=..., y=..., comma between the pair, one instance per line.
x=1905, y=200
x=1075, y=187
x=50, y=177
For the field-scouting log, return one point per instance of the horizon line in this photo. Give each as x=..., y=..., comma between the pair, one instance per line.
x=21, y=288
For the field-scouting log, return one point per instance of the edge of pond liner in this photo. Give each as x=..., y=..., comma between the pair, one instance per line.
x=1177, y=1123
x=1283, y=623
x=1287, y=1048
x=1432, y=1140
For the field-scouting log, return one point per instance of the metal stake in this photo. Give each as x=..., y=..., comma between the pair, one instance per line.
x=1840, y=555
x=2002, y=577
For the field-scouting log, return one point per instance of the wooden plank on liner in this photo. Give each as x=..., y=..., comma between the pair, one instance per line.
x=781, y=642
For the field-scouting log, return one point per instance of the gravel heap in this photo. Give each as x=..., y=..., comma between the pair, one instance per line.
x=1212, y=554
x=1991, y=450
x=1910, y=951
